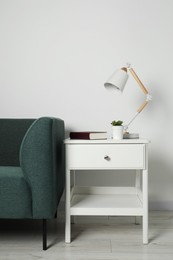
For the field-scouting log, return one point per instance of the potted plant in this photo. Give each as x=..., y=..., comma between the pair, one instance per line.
x=117, y=129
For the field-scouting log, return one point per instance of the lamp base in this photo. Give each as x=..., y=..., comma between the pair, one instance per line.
x=127, y=135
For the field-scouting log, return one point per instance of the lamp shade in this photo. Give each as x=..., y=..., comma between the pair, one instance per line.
x=117, y=81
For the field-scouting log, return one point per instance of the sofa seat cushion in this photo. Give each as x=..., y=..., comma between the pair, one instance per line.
x=15, y=195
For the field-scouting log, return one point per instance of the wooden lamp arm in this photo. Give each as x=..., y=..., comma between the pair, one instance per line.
x=143, y=88
x=142, y=106
x=145, y=91
x=141, y=85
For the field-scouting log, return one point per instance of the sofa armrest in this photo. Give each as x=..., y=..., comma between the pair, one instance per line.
x=42, y=163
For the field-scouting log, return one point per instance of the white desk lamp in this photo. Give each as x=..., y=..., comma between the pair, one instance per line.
x=117, y=83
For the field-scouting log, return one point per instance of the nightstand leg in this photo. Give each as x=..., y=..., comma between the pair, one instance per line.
x=67, y=207
x=73, y=184
x=137, y=220
x=138, y=189
x=145, y=206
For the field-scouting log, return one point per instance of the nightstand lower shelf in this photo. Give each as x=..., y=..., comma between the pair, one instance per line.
x=105, y=201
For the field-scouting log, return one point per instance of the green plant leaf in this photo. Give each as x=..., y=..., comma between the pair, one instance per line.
x=114, y=123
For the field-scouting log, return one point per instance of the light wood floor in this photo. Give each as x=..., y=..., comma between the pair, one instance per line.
x=105, y=238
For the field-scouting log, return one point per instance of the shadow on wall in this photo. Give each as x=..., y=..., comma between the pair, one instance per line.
x=160, y=184
x=67, y=132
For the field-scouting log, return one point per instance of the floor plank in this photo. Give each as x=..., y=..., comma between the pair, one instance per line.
x=105, y=238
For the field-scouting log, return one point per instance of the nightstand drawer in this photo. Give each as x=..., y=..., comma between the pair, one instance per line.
x=100, y=156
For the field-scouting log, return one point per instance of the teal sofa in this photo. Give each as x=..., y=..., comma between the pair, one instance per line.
x=31, y=169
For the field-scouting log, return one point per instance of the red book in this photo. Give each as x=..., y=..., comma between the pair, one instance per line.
x=88, y=135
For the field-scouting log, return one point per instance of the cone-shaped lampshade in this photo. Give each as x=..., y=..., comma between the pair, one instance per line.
x=118, y=80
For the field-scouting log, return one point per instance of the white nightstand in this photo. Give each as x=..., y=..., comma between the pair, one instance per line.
x=107, y=201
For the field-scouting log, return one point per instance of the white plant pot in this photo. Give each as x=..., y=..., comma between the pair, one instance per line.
x=117, y=132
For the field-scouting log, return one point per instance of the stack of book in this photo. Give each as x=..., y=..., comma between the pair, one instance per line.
x=88, y=135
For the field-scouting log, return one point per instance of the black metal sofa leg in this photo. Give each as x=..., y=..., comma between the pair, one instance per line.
x=44, y=234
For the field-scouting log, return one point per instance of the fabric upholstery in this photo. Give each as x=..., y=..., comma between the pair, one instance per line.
x=41, y=158
x=12, y=132
x=15, y=194
x=31, y=167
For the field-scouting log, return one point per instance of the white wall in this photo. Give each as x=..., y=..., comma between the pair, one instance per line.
x=55, y=56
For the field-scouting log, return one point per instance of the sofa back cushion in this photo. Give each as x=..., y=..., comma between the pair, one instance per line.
x=12, y=132
x=42, y=163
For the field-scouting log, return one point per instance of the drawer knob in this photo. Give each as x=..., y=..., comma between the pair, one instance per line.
x=106, y=157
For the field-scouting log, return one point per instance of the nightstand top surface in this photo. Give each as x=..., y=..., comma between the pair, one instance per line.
x=106, y=141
